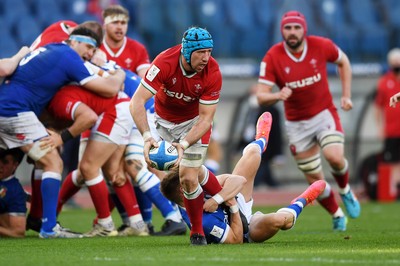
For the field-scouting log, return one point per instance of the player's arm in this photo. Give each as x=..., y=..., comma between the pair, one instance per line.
x=231, y=186
x=142, y=72
x=12, y=226
x=345, y=74
x=265, y=96
x=84, y=118
x=8, y=65
x=206, y=116
x=138, y=112
x=106, y=86
x=235, y=235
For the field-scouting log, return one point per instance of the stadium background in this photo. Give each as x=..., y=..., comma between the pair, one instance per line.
x=243, y=30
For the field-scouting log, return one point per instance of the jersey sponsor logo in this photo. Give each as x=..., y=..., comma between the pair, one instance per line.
x=152, y=73
x=304, y=82
x=178, y=95
x=217, y=231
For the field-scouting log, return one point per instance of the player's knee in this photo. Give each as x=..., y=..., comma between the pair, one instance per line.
x=118, y=179
x=340, y=167
x=335, y=161
x=134, y=166
x=188, y=182
x=87, y=170
x=52, y=161
x=332, y=146
x=78, y=180
x=311, y=165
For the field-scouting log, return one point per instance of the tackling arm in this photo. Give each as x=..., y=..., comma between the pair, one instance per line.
x=8, y=65
x=231, y=186
x=107, y=86
x=235, y=235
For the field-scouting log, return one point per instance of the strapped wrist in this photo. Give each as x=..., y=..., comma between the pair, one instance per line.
x=66, y=135
x=146, y=135
x=234, y=209
x=218, y=198
x=184, y=143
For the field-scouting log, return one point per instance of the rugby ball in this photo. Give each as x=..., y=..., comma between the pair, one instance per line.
x=163, y=157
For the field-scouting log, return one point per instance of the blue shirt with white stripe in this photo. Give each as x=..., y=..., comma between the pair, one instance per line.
x=39, y=75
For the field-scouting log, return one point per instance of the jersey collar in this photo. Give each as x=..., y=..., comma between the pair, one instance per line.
x=185, y=74
x=303, y=54
x=110, y=51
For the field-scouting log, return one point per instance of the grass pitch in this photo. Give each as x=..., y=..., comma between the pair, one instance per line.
x=372, y=239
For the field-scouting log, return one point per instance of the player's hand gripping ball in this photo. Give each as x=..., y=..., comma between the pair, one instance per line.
x=163, y=157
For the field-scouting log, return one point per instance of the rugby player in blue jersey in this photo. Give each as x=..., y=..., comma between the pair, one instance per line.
x=24, y=95
x=12, y=195
x=227, y=216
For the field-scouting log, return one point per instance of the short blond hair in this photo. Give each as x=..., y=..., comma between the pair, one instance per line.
x=115, y=10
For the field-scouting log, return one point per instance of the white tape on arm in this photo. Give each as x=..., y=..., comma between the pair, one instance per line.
x=234, y=209
x=185, y=144
x=146, y=135
x=218, y=198
x=96, y=70
x=35, y=153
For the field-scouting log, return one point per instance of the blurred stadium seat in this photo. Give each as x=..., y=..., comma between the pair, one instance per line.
x=331, y=14
x=363, y=13
x=346, y=38
x=179, y=15
x=265, y=12
x=211, y=14
x=374, y=42
x=391, y=11
x=27, y=30
x=240, y=14
x=13, y=10
x=47, y=12
x=8, y=45
x=151, y=21
x=241, y=17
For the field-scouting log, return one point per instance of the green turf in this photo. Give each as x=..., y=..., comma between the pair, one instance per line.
x=373, y=239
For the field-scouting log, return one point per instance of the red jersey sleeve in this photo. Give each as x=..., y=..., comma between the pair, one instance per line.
x=213, y=89
x=330, y=49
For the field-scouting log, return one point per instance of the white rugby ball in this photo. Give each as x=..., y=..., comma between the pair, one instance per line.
x=163, y=157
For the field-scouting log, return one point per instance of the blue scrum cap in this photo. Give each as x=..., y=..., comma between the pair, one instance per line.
x=194, y=39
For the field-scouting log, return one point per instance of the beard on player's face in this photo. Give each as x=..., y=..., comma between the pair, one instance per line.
x=293, y=42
